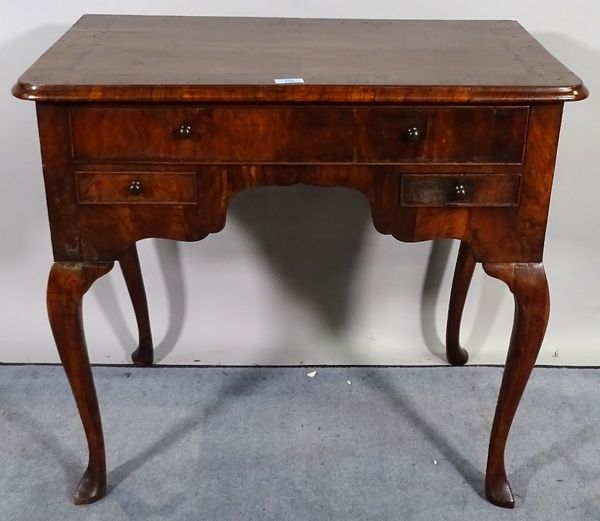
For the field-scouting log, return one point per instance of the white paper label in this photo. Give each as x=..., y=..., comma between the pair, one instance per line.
x=288, y=81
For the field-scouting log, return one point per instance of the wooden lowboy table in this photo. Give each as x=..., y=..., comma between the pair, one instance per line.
x=150, y=125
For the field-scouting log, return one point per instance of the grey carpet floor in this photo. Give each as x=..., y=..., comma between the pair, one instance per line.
x=273, y=444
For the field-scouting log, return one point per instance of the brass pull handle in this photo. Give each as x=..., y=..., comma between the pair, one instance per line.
x=413, y=134
x=135, y=187
x=458, y=192
x=184, y=131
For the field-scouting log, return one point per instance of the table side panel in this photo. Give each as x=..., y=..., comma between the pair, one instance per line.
x=61, y=191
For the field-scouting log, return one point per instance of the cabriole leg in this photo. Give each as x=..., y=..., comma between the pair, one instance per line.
x=67, y=284
x=463, y=273
x=132, y=273
x=528, y=284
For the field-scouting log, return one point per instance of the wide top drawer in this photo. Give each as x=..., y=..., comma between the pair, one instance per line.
x=306, y=134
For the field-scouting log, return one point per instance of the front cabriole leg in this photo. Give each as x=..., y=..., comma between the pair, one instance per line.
x=67, y=283
x=528, y=284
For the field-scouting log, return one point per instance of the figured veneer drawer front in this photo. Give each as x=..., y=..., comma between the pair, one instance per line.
x=460, y=190
x=442, y=134
x=307, y=134
x=210, y=134
x=136, y=187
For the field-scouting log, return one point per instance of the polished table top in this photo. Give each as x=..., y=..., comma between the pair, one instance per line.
x=153, y=58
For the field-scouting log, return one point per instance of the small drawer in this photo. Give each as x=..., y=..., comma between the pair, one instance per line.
x=136, y=187
x=460, y=190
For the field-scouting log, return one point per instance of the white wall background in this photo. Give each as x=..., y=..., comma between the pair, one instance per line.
x=299, y=275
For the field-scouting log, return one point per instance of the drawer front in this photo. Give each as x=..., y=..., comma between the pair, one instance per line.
x=136, y=188
x=300, y=134
x=442, y=134
x=460, y=190
x=211, y=134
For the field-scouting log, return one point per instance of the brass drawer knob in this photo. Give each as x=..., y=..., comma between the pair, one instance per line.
x=135, y=187
x=184, y=131
x=458, y=192
x=413, y=134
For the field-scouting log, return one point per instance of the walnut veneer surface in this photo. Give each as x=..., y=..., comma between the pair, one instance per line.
x=150, y=125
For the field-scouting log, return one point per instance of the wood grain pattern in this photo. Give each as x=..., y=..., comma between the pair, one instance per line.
x=152, y=58
x=446, y=134
x=460, y=190
x=307, y=134
x=499, y=234
x=136, y=188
